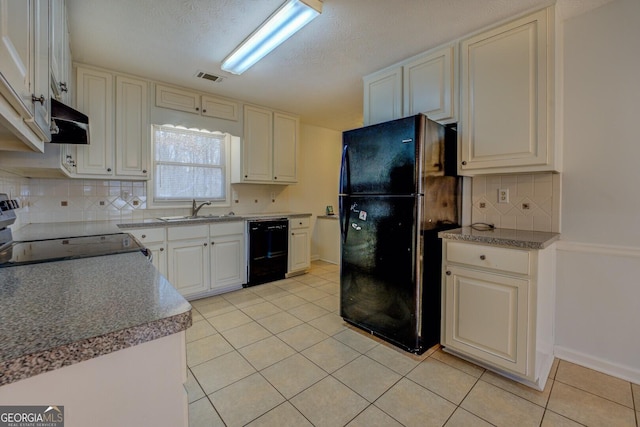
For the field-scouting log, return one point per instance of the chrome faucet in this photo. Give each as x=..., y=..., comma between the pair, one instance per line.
x=195, y=208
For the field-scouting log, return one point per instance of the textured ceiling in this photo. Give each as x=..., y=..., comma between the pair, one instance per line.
x=317, y=73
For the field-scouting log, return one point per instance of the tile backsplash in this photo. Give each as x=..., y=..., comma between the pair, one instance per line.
x=533, y=201
x=70, y=200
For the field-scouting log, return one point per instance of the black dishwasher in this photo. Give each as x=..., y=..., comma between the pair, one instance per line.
x=268, y=250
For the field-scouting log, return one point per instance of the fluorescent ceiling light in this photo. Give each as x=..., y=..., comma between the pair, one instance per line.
x=286, y=21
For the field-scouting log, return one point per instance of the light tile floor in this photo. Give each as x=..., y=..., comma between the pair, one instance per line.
x=279, y=354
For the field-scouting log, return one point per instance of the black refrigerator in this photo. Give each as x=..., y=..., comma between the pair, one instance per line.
x=398, y=189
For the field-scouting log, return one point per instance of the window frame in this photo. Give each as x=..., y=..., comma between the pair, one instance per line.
x=152, y=202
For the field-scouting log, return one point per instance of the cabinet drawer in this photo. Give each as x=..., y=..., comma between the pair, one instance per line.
x=149, y=235
x=189, y=232
x=226, y=228
x=509, y=260
x=299, y=223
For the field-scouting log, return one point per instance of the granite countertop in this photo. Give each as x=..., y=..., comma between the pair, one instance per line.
x=156, y=222
x=503, y=237
x=59, y=313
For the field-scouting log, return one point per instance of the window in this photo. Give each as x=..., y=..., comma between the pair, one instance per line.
x=190, y=164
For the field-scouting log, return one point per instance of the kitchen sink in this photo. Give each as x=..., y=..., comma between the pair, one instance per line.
x=189, y=217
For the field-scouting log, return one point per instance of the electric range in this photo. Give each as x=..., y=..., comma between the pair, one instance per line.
x=14, y=253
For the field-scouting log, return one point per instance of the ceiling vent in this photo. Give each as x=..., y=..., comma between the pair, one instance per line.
x=209, y=76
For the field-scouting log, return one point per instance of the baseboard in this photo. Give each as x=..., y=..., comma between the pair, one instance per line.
x=593, y=248
x=623, y=372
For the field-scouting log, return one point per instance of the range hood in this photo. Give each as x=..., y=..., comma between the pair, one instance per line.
x=68, y=126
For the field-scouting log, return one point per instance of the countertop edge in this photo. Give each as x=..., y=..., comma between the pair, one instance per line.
x=29, y=365
x=544, y=240
x=156, y=223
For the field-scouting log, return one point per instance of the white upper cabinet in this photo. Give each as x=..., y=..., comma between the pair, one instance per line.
x=132, y=127
x=428, y=85
x=24, y=74
x=507, y=89
x=94, y=93
x=285, y=148
x=421, y=84
x=269, y=148
x=118, y=111
x=192, y=102
x=60, y=52
x=383, y=96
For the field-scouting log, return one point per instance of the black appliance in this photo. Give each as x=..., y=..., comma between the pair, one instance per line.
x=398, y=189
x=14, y=253
x=268, y=250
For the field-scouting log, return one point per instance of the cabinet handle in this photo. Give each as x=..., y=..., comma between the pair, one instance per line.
x=482, y=257
x=204, y=111
x=464, y=163
x=205, y=244
x=275, y=177
x=161, y=249
x=213, y=243
x=293, y=234
x=246, y=176
x=144, y=171
x=144, y=236
x=35, y=99
x=300, y=223
x=63, y=87
x=197, y=108
x=448, y=273
x=108, y=169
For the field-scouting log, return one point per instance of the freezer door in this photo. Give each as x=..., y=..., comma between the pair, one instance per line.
x=381, y=159
x=379, y=290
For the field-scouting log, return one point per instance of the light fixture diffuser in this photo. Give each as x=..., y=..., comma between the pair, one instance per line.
x=286, y=21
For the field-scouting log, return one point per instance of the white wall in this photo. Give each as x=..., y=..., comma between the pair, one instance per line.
x=318, y=175
x=598, y=294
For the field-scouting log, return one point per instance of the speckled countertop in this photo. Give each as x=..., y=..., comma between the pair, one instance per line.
x=503, y=237
x=156, y=222
x=59, y=313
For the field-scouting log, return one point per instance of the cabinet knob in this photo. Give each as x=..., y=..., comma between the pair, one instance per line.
x=213, y=243
x=204, y=111
x=293, y=234
x=246, y=176
x=144, y=236
x=35, y=99
x=161, y=249
x=108, y=169
x=482, y=257
x=275, y=177
x=464, y=163
x=144, y=171
x=63, y=87
x=197, y=108
x=448, y=273
x=205, y=244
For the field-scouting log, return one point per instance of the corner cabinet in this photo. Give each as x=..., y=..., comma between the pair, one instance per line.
x=154, y=239
x=268, y=152
x=299, y=246
x=422, y=84
x=498, y=308
x=507, y=86
x=117, y=107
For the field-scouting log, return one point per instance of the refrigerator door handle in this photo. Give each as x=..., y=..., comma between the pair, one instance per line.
x=343, y=207
x=345, y=172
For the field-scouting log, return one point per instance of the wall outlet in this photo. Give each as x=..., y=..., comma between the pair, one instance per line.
x=503, y=195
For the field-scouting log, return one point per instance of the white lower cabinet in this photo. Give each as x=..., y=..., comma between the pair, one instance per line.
x=188, y=260
x=498, y=308
x=155, y=240
x=228, y=265
x=299, y=246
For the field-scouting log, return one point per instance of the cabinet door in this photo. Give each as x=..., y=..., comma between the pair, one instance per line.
x=299, y=250
x=228, y=267
x=58, y=38
x=506, y=85
x=95, y=99
x=486, y=316
x=428, y=85
x=220, y=108
x=383, y=96
x=40, y=79
x=16, y=50
x=177, y=99
x=188, y=268
x=257, y=149
x=159, y=254
x=132, y=127
x=285, y=147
